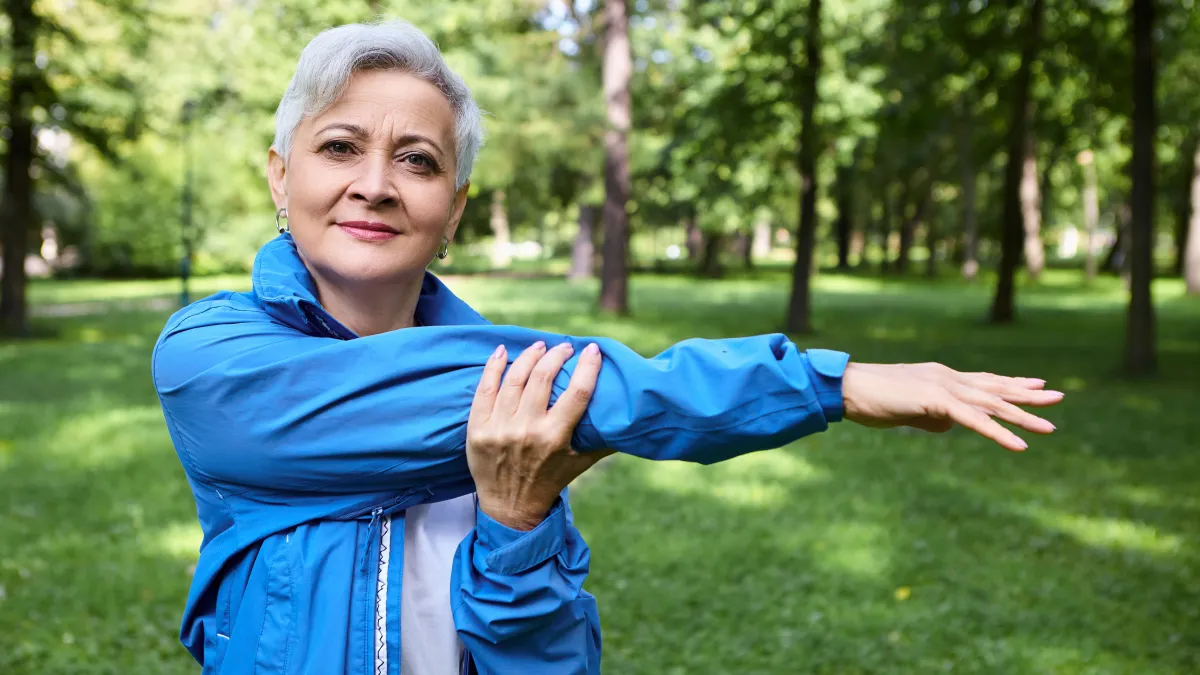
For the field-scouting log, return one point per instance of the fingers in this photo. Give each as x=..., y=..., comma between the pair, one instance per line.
x=1002, y=382
x=536, y=398
x=980, y=422
x=1015, y=390
x=998, y=407
x=488, y=387
x=513, y=387
x=1036, y=399
x=569, y=407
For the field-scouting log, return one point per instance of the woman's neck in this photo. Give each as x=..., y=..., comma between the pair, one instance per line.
x=370, y=309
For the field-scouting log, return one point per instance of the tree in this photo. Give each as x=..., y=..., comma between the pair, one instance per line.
x=618, y=71
x=1021, y=116
x=16, y=207
x=1140, y=356
x=844, y=226
x=1091, y=212
x=799, y=317
x=1031, y=209
x=970, y=235
x=1191, y=256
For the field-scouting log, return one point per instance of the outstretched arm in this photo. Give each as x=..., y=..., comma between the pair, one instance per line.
x=251, y=402
x=254, y=403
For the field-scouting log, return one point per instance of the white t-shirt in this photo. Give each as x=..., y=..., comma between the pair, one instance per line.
x=429, y=645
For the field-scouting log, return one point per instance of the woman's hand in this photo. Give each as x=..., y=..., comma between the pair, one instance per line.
x=933, y=397
x=518, y=451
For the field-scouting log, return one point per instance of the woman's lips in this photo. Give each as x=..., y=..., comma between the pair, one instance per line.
x=368, y=231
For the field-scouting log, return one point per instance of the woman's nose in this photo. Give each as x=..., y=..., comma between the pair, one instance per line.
x=375, y=184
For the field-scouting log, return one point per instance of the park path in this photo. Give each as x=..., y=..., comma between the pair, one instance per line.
x=70, y=309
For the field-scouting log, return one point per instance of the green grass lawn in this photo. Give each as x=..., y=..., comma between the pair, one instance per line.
x=855, y=551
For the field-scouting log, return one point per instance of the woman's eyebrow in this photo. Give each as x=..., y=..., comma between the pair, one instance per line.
x=410, y=138
x=352, y=128
x=361, y=132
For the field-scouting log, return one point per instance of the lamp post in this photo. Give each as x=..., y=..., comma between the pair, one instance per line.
x=185, y=229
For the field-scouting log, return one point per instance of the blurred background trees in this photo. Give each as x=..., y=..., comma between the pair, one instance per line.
x=971, y=138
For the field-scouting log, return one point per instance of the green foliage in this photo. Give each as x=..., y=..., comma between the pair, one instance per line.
x=715, y=129
x=854, y=551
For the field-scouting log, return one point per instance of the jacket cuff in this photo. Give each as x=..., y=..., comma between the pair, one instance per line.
x=510, y=551
x=825, y=370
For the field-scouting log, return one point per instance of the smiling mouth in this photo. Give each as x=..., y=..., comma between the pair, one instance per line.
x=368, y=231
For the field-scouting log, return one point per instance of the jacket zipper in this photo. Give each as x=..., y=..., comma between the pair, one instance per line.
x=380, y=622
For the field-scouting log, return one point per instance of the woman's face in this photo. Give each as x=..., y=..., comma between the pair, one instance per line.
x=369, y=184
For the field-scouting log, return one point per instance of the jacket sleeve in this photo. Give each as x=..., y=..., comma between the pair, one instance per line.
x=518, y=599
x=253, y=402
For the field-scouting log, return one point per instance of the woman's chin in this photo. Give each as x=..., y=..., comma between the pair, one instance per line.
x=373, y=266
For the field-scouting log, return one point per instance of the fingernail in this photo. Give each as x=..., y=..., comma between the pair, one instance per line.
x=499, y=352
x=1055, y=393
x=1023, y=444
x=592, y=349
x=539, y=345
x=567, y=347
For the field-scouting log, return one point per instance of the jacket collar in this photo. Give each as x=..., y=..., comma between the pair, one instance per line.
x=283, y=287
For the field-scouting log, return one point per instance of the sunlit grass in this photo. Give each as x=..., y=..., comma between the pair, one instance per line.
x=855, y=551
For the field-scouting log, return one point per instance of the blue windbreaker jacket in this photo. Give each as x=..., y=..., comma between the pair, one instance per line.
x=298, y=436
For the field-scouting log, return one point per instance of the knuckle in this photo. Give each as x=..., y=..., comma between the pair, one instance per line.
x=582, y=394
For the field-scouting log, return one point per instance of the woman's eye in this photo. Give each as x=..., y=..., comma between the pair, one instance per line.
x=419, y=161
x=338, y=148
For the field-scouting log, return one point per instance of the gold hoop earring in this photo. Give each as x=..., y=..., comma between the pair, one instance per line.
x=444, y=249
x=283, y=227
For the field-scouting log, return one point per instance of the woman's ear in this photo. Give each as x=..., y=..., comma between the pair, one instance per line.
x=456, y=210
x=276, y=175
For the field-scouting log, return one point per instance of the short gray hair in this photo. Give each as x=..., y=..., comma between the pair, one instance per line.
x=333, y=56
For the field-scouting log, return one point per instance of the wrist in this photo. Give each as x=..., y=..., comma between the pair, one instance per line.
x=518, y=516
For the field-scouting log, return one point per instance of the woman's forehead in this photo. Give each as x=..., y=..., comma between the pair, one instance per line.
x=379, y=100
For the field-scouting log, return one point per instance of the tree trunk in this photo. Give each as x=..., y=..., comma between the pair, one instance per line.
x=1140, y=356
x=501, y=257
x=1116, y=260
x=931, y=243
x=1003, y=307
x=970, y=236
x=694, y=238
x=710, y=264
x=745, y=248
x=618, y=71
x=761, y=246
x=845, y=221
x=1183, y=214
x=799, y=318
x=908, y=228
x=885, y=230
x=1091, y=212
x=16, y=205
x=583, y=251
x=1191, y=262
x=1031, y=209
x=1046, y=189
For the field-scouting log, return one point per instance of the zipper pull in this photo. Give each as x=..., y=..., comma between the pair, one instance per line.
x=371, y=529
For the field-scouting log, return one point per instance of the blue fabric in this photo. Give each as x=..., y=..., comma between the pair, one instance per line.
x=297, y=436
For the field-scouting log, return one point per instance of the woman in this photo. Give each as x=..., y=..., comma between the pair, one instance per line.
x=376, y=495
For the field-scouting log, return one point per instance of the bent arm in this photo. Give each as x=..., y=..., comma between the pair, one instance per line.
x=252, y=402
